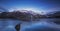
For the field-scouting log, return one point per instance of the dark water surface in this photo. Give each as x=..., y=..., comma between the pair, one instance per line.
x=41, y=25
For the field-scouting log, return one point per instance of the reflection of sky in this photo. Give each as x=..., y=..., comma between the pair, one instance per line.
x=42, y=5
x=9, y=25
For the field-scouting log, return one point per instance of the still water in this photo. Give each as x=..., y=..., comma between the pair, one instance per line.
x=41, y=25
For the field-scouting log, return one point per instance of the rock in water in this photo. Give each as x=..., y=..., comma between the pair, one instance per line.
x=17, y=27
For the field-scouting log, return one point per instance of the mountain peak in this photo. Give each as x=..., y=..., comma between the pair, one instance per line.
x=27, y=11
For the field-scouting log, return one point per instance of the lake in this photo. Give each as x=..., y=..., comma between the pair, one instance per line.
x=50, y=24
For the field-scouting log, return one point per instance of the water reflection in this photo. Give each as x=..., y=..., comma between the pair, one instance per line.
x=42, y=25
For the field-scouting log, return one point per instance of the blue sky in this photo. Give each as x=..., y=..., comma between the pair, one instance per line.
x=42, y=5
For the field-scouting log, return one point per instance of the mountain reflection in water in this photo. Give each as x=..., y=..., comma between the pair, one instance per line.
x=42, y=25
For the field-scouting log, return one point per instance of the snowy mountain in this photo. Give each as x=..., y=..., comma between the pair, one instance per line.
x=26, y=15
x=22, y=15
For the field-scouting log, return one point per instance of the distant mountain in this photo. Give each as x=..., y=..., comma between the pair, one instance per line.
x=56, y=14
x=22, y=15
x=2, y=9
x=26, y=15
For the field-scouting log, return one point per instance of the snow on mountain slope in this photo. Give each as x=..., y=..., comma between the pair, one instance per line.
x=31, y=12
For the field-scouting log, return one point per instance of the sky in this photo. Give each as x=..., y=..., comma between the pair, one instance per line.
x=37, y=5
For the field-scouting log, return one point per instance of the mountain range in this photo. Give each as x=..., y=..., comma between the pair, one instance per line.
x=25, y=15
